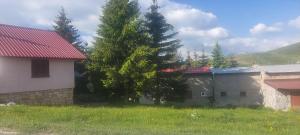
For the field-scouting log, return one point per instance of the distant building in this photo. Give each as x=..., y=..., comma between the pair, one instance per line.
x=277, y=87
x=36, y=66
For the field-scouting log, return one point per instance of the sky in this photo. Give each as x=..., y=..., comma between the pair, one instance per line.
x=239, y=26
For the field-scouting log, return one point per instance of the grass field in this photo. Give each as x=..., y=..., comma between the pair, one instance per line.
x=143, y=120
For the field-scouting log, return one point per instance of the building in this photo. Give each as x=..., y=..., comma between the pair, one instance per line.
x=36, y=66
x=276, y=87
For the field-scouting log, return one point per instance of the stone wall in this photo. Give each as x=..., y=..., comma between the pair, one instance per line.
x=278, y=100
x=235, y=84
x=43, y=97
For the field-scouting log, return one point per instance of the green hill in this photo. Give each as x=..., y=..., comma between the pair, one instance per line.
x=285, y=55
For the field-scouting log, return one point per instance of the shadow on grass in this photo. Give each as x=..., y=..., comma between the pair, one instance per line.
x=173, y=106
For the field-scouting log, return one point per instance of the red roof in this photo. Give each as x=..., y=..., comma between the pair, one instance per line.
x=198, y=70
x=35, y=43
x=284, y=84
x=190, y=70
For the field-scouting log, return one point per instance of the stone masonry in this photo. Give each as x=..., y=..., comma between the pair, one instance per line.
x=43, y=97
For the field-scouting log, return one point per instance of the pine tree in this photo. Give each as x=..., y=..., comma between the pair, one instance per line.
x=203, y=59
x=218, y=59
x=163, y=40
x=118, y=49
x=63, y=26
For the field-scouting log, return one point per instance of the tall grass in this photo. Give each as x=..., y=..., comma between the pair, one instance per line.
x=143, y=120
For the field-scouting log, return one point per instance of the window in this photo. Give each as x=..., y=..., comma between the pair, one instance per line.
x=223, y=94
x=39, y=68
x=203, y=94
x=243, y=94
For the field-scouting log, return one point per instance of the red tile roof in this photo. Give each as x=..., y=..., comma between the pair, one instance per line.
x=284, y=84
x=35, y=43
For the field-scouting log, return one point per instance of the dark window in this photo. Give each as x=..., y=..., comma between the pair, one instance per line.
x=243, y=94
x=223, y=94
x=39, y=68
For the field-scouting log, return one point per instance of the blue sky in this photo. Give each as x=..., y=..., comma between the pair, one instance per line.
x=238, y=15
x=239, y=26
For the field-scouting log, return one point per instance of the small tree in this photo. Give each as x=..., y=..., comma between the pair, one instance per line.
x=64, y=27
x=203, y=59
x=218, y=59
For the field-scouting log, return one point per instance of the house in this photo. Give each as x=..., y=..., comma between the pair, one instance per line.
x=36, y=66
x=276, y=87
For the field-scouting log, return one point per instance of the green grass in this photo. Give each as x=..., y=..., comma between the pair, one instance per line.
x=285, y=55
x=143, y=120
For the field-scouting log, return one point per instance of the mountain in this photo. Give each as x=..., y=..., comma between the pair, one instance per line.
x=286, y=55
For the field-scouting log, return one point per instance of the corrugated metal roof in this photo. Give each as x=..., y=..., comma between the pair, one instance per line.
x=235, y=70
x=284, y=84
x=18, y=41
x=281, y=68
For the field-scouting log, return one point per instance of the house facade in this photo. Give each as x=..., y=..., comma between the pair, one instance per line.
x=36, y=66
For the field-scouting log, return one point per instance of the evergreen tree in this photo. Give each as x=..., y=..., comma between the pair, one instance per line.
x=203, y=59
x=63, y=26
x=117, y=47
x=218, y=59
x=162, y=39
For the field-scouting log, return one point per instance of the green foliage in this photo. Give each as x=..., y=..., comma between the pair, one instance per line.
x=162, y=39
x=118, y=46
x=218, y=59
x=63, y=26
x=139, y=71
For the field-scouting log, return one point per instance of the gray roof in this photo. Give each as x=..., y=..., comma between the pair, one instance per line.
x=257, y=69
x=235, y=70
x=281, y=68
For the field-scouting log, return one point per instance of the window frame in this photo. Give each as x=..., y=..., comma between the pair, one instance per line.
x=40, y=68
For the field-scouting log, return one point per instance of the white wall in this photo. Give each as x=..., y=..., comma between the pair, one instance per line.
x=15, y=75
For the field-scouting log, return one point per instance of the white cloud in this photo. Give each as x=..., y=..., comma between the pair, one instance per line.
x=295, y=22
x=196, y=27
x=214, y=33
x=263, y=28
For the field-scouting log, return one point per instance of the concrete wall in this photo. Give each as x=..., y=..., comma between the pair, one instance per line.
x=15, y=75
x=233, y=84
x=197, y=84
